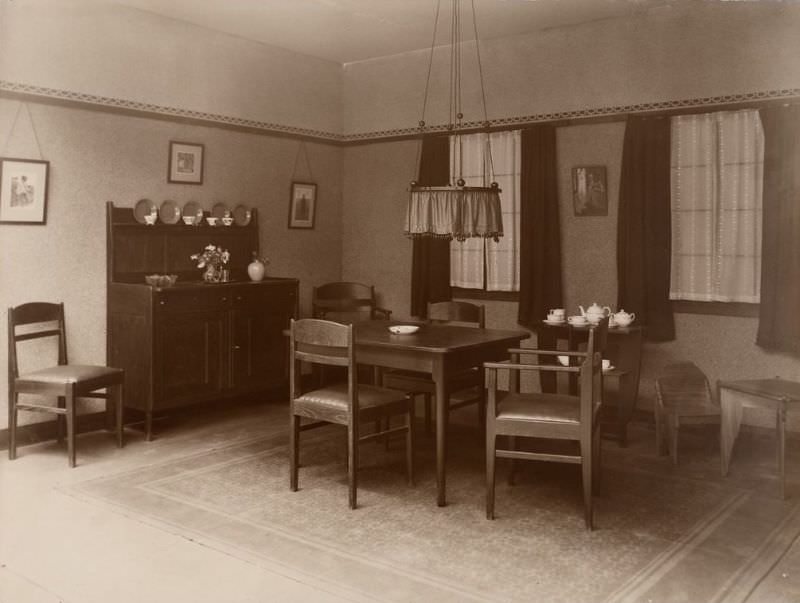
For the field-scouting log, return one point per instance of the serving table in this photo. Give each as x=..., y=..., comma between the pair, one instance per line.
x=779, y=395
x=621, y=385
x=441, y=350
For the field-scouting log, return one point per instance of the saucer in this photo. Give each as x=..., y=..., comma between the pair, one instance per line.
x=554, y=322
x=404, y=329
x=610, y=368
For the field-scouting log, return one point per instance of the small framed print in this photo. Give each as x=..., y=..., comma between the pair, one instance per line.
x=302, y=205
x=23, y=191
x=185, y=162
x=589, y=191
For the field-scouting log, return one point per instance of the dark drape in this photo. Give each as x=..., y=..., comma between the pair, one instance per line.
x=540, y=234
x=430, y=263
x=779, y=313
x=644, y=226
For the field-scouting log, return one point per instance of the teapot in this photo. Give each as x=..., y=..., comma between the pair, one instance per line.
x=623, y=319
x=595, y=313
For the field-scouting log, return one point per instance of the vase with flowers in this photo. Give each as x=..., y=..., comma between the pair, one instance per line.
x=213, y=260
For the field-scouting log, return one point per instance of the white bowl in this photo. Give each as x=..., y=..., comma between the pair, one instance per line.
x=564, y=360
x=212, y=221
x=188, y=220
x=404, y=329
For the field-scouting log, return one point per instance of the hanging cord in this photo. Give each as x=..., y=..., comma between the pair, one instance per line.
x=483, y=90
x=302, y=150
x=14, y=125
x=425, y=95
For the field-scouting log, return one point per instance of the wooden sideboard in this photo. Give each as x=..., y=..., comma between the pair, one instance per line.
x=194, y=341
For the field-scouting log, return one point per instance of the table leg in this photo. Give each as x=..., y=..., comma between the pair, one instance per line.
x=730, y=420
x=442, y=403
x=781, y=427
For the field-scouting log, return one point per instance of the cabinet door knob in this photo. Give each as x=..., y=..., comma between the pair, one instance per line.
x=224, y=299
x=237, y=347
x=162, y=302
x=238, y=298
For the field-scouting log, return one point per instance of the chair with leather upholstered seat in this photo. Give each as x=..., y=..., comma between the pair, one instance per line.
x=330, y=343
x=550, y=416
x=65, y=382
x=468, y=385
x=683, y=396
x=346, y=302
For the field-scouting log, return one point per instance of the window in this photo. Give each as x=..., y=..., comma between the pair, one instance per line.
x=716, y=180
x=478, y=263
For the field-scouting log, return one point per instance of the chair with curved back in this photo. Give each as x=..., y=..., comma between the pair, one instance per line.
x=683, y=396
x=554, y=416
x=331, y=343
x=468, y=385
x=65, y=382
x=346, y=302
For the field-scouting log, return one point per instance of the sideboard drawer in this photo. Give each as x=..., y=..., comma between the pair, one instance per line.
x=195, y=300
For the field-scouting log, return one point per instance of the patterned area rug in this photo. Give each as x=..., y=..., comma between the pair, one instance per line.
x=663, y=533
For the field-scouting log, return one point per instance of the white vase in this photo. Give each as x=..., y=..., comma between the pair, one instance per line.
x=256, y=270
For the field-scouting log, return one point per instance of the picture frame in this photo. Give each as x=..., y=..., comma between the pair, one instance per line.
x=185, y=162
x=23, y=190
x=302, y=205
x=590, y=190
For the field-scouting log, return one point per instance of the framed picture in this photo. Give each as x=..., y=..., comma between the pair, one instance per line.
x=302, y=205
x=185, y=163
x=589, y=191
x=23, y=191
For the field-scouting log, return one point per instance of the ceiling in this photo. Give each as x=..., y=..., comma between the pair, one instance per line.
x=346, y=31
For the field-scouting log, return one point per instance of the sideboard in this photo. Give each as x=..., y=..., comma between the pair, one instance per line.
x=191, y=342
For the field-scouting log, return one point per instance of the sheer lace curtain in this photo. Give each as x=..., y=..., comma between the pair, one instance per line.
x=717, y=176
x=501, y=263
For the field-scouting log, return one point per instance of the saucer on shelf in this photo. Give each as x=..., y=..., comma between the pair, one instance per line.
x=554, y=322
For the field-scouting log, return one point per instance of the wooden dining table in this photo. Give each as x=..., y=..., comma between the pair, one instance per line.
x=441, y=351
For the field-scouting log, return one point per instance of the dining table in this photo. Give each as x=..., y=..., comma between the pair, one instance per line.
x=440, y=350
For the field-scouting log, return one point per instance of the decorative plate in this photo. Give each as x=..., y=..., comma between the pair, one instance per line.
x=192, y=208
x=144, y=207
x=169, y=212
x=219, y=210
x=404, y=329
x=242, y=215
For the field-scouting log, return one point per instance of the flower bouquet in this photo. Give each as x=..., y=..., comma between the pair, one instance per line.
x=213, y=259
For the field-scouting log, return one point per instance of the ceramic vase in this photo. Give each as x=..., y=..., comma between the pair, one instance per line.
x=256, y=270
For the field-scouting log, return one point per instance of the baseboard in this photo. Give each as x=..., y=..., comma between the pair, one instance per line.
x=33, y=433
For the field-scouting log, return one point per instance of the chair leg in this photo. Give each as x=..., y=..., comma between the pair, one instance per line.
x=597, y=460
x=148, y=426
x=410, y=442
x=352, y=464
x=661, y=448
x=674, y=428
x=60, y=421
x=70, y=415
x=294, y=451
x=13, y=397
x=586, y=467
x=490, y=470
x=512, y=473
x=428, y=414
x=120, y=413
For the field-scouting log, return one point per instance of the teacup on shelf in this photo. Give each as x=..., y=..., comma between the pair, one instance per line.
x=150, y=219
x=212, y=220
x=227, y=220
x=188, y=220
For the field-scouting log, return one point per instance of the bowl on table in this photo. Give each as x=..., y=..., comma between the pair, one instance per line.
x=403, y=329
x=161, y=280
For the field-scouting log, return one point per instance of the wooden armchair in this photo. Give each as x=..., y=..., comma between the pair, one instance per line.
x=330, y=343
x=467, y=386
x=548, y=416
x=64, y=382
x=346, y=302
x=683, y=395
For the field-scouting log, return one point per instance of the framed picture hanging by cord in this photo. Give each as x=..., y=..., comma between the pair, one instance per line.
x=23, y=191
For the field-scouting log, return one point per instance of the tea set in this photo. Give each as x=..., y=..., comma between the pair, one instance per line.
x=590, y=316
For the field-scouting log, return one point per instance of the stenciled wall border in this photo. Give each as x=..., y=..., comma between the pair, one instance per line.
x=106, y=103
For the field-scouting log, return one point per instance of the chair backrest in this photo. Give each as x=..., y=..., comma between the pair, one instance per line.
x=466, y=313
x=38, y=317
x=683, y=383
x=333, y=300
x=317, y=341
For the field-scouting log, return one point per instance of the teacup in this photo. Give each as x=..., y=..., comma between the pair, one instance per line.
x=150, y=219
x=188, y=220
x=577, y=320
x=227, y=220
x=212, y=220
x=555, y=317
x=558, y=313
x=606, y=364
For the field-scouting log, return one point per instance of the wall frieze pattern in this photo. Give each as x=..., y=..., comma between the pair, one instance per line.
x=80, y=98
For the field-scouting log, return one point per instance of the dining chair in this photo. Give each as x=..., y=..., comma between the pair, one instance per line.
x=328, y=343
x=346, y=302
x=549, y=416
x=65, y=382
x=683, y=396
x=468, y=385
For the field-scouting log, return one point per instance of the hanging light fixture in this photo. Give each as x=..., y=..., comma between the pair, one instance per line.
x=455, y=211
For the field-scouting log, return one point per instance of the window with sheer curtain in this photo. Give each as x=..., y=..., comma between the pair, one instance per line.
x=483, y=263
x=716, y=181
